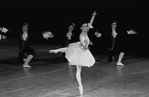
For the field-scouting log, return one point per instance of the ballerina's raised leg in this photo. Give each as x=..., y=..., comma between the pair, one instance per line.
x=58, y=50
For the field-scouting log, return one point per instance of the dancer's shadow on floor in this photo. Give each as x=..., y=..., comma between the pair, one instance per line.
x=35, y=61
x=51, y=60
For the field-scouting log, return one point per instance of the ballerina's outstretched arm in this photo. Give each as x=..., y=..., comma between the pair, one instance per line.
x=92, y=19
x=62, y=50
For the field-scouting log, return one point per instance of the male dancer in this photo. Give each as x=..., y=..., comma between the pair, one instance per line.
x=118, y=40
x=24, y=47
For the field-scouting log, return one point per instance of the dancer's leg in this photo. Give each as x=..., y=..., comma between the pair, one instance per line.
x=119, y=62
x=31, y=53
x=21, y=55
x=110, y=55
x=27, y=61
x=58, y=50
x=78, y=76
x=62, y=49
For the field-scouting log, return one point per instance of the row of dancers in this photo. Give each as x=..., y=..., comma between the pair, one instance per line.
x=76, y=53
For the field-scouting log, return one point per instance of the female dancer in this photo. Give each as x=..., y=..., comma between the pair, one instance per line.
x=69, y=34
x=78, y=54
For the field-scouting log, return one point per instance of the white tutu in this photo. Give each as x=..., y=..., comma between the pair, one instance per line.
x=78, y=56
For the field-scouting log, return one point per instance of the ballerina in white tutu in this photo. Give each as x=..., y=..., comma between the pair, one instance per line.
x=78, y=54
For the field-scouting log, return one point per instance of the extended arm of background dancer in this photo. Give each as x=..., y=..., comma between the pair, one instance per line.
x=97, y=34
x=45, y=34
x=130, y=32
x=3, y=30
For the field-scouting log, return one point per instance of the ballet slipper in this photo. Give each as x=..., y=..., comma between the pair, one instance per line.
x=26, y=65
x=120, y=64
x=53, y=51
x=81, y=90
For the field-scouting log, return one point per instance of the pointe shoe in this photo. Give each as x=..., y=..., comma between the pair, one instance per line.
x=120, y=64
x=81, y=90
x=53, y=51
x=26, y=65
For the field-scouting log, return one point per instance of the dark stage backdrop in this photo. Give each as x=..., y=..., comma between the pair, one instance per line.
x=56, y=15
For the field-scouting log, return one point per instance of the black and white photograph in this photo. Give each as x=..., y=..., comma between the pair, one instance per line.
x=74, y=48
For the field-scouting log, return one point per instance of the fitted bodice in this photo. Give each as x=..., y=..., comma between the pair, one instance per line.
x=84, y=39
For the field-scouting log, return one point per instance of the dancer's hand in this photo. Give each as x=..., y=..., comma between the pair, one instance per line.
x=83, y=47
x=2, y=37
x=47, y=35
x=97, y=34
x=91, y=43
x=4, y=30
x=131, y=32
x=94, y=13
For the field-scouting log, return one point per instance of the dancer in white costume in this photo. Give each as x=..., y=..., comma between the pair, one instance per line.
x=78, y=54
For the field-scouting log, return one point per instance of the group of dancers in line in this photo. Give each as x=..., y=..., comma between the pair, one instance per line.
x=76, y=53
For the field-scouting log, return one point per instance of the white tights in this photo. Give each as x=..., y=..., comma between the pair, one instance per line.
x=78, y=77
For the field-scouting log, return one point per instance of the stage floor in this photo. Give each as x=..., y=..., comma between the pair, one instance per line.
x=50, y=76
